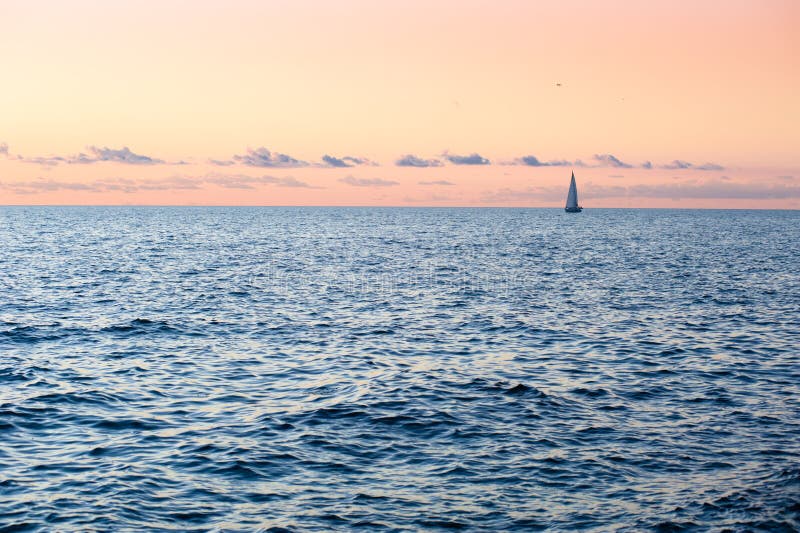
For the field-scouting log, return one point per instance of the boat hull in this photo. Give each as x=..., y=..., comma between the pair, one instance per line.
x=573, y=209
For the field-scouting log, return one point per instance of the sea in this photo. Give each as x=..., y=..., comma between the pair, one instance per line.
x=399, y=369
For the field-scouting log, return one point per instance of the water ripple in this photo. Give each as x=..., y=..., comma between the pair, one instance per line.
x=310, y=369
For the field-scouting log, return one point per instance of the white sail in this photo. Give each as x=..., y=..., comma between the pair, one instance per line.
x=572, y=196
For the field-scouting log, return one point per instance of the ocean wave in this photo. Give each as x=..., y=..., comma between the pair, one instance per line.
x=340, y=369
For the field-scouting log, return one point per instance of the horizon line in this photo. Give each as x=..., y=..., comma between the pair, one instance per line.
x=410, y=207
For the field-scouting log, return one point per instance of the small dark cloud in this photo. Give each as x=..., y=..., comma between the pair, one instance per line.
x=4, y=149
x=262, y=158
x=647, y=164
x=335, y=161
x=471, y=159
x=533, y=161
x=710, y=166
x=80, y=159
x=677, y=164
x=359, y=160
x=367, y=182
x=786, y=178
x=610, y=161
x=343, y=162
x=410, y=160
x=122, y=155
x=616, y=176
x=436, y=182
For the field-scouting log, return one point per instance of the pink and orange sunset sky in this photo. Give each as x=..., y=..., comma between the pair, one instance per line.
x=451, y=103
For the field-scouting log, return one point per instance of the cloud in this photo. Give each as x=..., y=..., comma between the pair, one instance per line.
x=343, y=162
x=237, y=181
x=710, y=166
x=677, y=164
x=45, y=161
x=471, y=159
x=4, y=149
x=533, y=161
x=129, y=185
x=242, y=181
x=610, y=161
x=335, y=161
x=165, y=184
x=367, y=182
x=715, y=189
x=263, y=158
x=294, y=183
x=528, y=193
x=436, y=182
x=125, y=185
x=123, y=155
x=410, y=160
x=102, y=185
x=49, y=185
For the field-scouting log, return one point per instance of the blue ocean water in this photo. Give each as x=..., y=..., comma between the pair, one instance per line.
x=314, y=369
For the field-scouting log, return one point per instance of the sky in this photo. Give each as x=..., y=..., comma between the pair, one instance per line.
x=438, y=102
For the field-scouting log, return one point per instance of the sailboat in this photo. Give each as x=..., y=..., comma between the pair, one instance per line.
x=572, y=198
